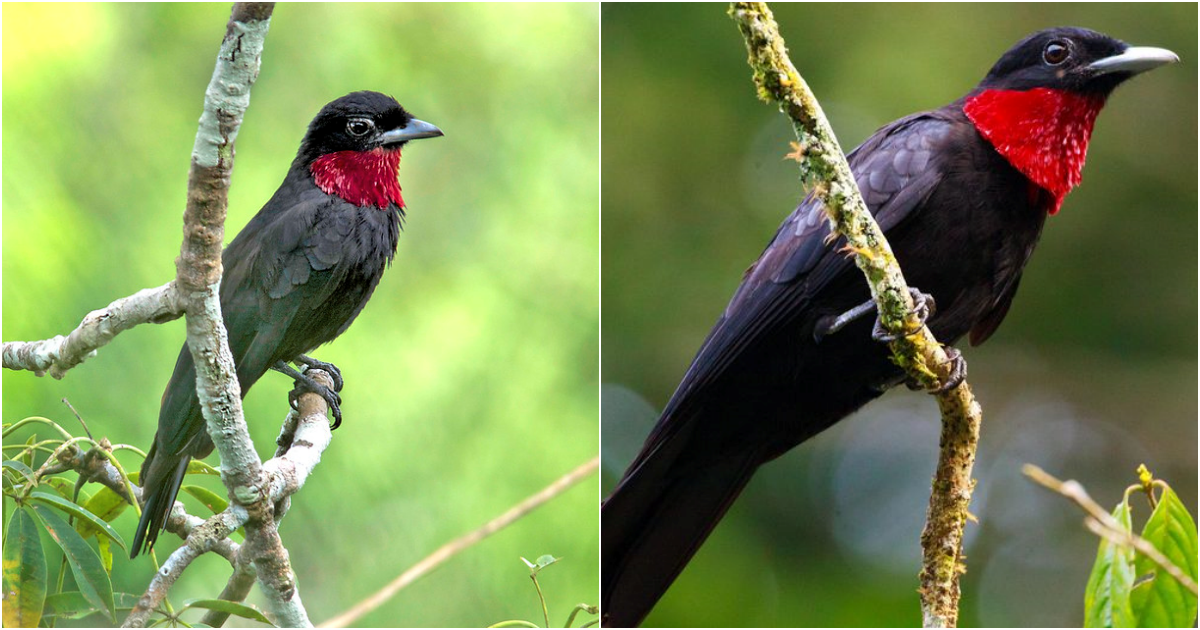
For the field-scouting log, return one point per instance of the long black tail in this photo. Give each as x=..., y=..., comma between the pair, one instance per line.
x=653, y=524
x=161, y=476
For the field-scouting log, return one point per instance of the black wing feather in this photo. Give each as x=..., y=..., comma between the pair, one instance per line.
x=895, y=172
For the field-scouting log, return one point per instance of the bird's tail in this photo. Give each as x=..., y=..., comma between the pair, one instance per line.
x=653, y=524
x=161, y=476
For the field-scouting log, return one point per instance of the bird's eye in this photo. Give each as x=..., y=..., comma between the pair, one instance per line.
x=1056, y=52
x=359, y=127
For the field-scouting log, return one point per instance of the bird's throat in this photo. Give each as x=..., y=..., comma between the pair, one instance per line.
x=1043, y=133
x=363, y=178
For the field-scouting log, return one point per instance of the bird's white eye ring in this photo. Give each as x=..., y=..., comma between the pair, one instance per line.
x=1056, y=52
x=359, y=127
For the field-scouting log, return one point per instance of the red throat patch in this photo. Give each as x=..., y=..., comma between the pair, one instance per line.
x=1043, y=133
x=363, y=178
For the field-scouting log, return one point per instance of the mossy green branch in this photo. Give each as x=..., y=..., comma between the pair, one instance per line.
x=825, y=171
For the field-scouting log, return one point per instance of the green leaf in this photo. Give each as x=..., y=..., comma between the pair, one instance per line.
x=69, y=605
x=211, y=500
x=89, y=571
x=73, y=605
x=233, y=608
x=197, y=467
x=27, y=454
x=24, y=580
x=1106, y=600
x=104, y=547
x=1162, y=602
x=541, y=563
x=19, y=468
x=106, y=505
x=65, y=488
x=53, y=500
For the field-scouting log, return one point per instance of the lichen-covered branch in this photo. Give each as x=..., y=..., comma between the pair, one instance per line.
x=57, y=355
x=306, y=434
x=198, y=277
x=164, y=579
x=262, y=556
x=198, y=268
x=824, y=170
x=452, y=548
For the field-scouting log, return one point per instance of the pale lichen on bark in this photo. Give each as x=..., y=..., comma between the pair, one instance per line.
x=825, y=171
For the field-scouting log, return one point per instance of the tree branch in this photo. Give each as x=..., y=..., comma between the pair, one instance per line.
x=454, y=547
x=199, y=277
x=61, y=353
x=256, y=489
x=94, y=465
x=825, y=171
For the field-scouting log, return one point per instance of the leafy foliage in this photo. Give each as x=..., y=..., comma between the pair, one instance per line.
x=57, y=504
x=1127, y=589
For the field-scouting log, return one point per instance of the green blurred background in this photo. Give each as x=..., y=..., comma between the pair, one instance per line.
x=1093, y=372
x=471, y=376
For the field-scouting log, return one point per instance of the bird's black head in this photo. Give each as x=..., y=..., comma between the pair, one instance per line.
x=1073, y=59
x=362, y=121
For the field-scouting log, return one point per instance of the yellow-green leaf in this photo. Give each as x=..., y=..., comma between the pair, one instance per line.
x=211, y=500
x=24, y=581
x=106, y=505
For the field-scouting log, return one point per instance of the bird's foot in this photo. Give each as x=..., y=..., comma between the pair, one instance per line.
x=334, y=372
x=305, y=384
x=958, y=373
x=924, y=307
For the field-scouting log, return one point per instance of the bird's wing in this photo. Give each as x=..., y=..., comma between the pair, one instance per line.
x=278, y=271
x=895, y=171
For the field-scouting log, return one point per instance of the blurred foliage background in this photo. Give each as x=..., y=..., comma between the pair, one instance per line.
x=1093, y=372
x=471, y=376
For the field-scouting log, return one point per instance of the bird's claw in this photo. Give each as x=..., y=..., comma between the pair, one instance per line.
x=958, y=373
x=305, y=385
x=958, y=370
x=334, y=373
x=924, y=307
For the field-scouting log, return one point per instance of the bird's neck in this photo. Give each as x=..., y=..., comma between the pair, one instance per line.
x=1042, y=132
x=363, y=178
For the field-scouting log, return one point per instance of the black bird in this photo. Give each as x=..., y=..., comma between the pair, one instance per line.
x=961, y=193
x=296, y=276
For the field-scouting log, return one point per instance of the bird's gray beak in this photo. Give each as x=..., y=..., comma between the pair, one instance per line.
x=1134, y=60
x=414, y=130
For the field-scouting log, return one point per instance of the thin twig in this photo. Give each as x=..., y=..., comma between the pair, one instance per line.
x=452, y=548
x=825, y=171
x=1103, y=524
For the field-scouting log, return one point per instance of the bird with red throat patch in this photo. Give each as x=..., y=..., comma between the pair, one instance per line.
x=962, y=193
x=295, y=277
